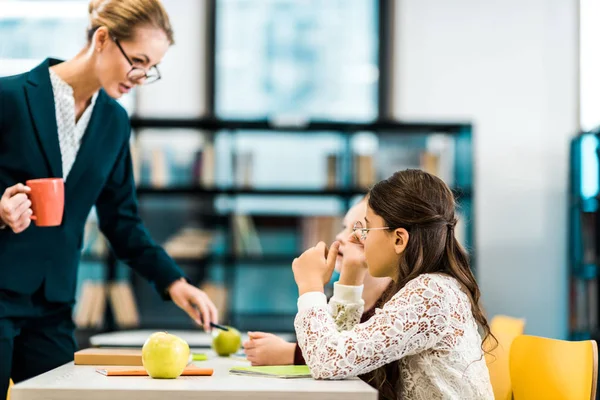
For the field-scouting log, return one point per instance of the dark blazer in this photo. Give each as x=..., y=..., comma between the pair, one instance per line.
x=101, y=176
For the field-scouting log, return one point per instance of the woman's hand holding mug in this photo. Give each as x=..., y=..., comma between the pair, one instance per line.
x=42, y=200
x=15, y=208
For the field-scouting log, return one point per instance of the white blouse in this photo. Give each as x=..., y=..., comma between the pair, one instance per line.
x=428, y=325
x=70, y=133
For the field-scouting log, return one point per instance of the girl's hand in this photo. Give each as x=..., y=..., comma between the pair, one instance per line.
x=313, y=269
x=268, y=349
x=354, y=265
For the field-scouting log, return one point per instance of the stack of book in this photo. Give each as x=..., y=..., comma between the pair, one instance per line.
x=190, y=243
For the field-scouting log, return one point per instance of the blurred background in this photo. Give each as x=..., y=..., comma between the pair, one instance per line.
x=274, y=116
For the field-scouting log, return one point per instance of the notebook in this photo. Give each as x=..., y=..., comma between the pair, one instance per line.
x=278, y=371
x=190, y=370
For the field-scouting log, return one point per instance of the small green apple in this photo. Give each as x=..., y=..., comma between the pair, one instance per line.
x=165, y=355
x=228, y=342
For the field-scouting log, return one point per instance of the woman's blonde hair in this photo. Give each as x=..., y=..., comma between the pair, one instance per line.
x=122, y=17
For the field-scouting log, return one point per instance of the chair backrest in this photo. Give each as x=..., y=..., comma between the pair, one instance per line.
x=505, y=329
x=542, y=368
x=10, y=383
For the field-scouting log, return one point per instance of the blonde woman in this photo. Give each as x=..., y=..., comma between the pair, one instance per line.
x=61, y=120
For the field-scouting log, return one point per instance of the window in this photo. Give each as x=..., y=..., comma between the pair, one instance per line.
x=31, y=31
x=309, y=59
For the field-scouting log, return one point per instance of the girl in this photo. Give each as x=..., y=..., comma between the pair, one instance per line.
x=424, y=343
x=268, y=349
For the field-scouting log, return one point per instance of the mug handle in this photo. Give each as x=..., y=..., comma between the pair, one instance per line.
x=32, y=217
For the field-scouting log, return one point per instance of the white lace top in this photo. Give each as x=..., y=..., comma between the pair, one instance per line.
x=428, y=325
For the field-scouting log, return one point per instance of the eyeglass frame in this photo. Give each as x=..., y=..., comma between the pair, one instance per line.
x=364, y=231
x=133, y=67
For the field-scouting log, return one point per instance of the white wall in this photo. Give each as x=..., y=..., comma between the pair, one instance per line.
x=510, y=67
x=181, y=91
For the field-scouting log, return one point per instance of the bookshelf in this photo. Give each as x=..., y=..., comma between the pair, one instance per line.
x=273, y=260
x=583, y=236
x=316, y=168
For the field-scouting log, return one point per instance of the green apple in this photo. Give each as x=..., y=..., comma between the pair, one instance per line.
x=228, y=342
x=165, y=355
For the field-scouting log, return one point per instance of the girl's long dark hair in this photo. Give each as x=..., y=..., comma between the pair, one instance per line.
x=423, y=205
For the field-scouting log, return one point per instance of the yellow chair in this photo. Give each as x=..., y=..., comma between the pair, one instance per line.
x=10, y=383
x=551, y=369
x=505, y=329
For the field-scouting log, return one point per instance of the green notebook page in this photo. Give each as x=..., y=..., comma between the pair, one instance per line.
x=277, y=371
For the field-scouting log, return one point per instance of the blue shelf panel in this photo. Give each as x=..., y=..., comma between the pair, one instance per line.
x=585, y=271
x=580, y=335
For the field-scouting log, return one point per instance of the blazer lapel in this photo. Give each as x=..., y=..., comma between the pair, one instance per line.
x=91, y=143
x=40, y=99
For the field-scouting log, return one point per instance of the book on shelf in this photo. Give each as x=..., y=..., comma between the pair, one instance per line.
x=434, y=154
x=94, y=298
x=592, y=306
x=364, y=171
x=332, y=171
x=204, y=166
x=242, y=169
x=136, y=163
x=319, y=228
x=207, y=178
x=440, y=158
x=430, y=163
x=218, y=294
x=189, y=242
x=123, y=304
x=89, y=312
x=159, y=169
x=588, y=237
x=163, y=167
x=94, y=243
x=579, y=303
x=245, y=236
x=334, y=178
x=572, y=305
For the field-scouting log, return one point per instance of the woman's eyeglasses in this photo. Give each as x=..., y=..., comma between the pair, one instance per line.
x=139, y=75
x=358, y=226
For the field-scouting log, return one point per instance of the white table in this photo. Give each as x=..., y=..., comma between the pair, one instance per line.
x=77, y=382
x=136, y=338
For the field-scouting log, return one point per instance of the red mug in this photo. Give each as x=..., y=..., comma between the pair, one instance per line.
x=47, y=200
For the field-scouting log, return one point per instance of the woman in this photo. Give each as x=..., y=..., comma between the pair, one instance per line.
x=424, y=342
x=61, y=119
x=268, y=349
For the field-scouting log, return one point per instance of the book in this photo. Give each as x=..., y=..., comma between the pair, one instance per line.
x=190, y=370
x=207, y=178
x=123, y=304
x=276, y=371
x=130, y=357
x=108, y=356
x=332, y=171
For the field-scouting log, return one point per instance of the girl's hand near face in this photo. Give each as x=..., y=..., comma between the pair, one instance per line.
x=313, y=269
x=354, y=264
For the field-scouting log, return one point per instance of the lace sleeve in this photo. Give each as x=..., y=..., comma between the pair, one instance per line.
x=346, y=306
x=415, y=319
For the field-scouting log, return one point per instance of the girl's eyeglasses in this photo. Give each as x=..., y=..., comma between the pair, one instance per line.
x=358, y=226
